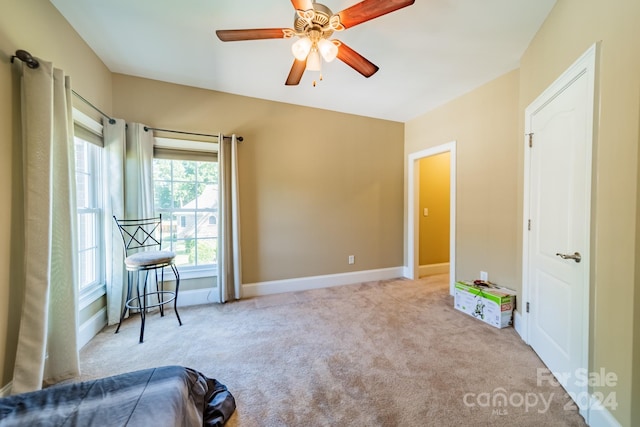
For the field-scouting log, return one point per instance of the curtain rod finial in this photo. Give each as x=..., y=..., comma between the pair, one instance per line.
x=26, y=57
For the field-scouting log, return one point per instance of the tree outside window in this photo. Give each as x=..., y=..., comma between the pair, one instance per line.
x=186, y=193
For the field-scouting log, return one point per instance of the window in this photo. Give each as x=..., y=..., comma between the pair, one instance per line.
x=90, y=215
x=186, y=194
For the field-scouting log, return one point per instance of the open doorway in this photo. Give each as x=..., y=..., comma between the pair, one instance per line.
x=415, y=212
x=434, y=214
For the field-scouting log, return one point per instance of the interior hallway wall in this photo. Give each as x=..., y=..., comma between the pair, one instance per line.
x=484, y=124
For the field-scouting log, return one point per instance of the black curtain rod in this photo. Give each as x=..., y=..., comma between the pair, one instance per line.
x=239, y=138
x=31, y=62
x=111, y=120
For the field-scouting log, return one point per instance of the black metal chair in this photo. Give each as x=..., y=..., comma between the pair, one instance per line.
x=142, y=239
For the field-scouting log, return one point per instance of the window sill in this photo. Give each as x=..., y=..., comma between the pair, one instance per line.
x=89, y=295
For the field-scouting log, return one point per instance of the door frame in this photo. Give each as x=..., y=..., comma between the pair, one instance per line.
x=585, y=65
x=412, y=238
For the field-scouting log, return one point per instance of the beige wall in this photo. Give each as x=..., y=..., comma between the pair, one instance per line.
x=434, y=196
x=35, y=26
x=484, y=125
x=310, y=199
x=488, y=125
x=315, y=186
x=635, y=362
x=571, y=28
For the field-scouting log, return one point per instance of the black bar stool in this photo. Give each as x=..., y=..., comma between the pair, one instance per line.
x=142, y=239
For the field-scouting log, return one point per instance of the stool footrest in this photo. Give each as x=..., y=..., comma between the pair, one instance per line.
x=133, y=302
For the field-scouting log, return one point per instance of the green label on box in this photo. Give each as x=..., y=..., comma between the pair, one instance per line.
x=488, y=293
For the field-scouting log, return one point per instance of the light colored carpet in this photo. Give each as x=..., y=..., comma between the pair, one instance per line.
x=392, y=353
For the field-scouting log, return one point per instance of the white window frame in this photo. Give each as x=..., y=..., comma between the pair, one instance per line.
x=191, y=272
x=98, y=289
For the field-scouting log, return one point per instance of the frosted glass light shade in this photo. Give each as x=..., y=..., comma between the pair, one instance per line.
x=313, y=61
x=328, y=50
x=301, y=48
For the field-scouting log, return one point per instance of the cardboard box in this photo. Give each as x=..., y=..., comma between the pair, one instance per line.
x=492, y=305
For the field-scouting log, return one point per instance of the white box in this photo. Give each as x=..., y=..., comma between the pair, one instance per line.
x=491, y=305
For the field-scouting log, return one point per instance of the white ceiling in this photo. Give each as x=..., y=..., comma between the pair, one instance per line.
x=428, y=53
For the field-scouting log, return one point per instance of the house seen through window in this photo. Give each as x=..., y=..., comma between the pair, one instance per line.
x=186, y=194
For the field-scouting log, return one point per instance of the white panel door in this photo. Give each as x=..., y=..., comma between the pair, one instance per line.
x=557, y=263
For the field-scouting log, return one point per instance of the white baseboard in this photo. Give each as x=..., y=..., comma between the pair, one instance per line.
x=207, y=296
x=407, y=272
x=197, y=297
x=599, y=416
x=431, y=269
x=316, y=282
x=6, y=390
x=517, y=323
x=91, y=327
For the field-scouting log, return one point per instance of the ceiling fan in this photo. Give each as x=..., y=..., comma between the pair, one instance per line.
x=314, y=24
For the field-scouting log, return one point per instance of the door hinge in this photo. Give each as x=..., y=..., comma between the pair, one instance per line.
x=530, y=139
x=529, y=225
x=527, y=307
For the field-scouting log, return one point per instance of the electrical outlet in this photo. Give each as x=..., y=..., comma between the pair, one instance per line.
x=352, y=259
x=484, y=276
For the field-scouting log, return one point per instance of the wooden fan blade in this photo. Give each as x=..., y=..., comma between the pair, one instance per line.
x=302, y=4
x=356, y=61
x=250, y=34
x=297, y=69
x=369, y=9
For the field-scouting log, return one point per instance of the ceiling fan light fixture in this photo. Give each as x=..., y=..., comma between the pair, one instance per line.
x=314, y=25
x=301, y=48
x=313, y=61
x=328, y=50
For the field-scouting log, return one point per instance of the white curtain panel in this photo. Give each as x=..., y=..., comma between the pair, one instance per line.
x=139, y=173
x=47, y=350
x=138, y=190
x=229, y=260
x=115, y=157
